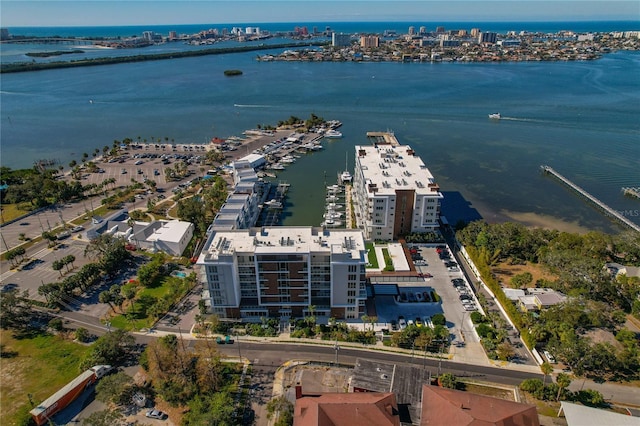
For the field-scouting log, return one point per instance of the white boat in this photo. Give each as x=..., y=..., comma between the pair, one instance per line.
x=273, y=204
x=333, y=134
x=330, y=214
x=276, y=166
x=331, y=222
x=495, y=116
x=345, y=177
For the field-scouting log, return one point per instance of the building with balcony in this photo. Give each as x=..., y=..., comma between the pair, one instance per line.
x=394, y=193
x=340, y=40
x=279, y=272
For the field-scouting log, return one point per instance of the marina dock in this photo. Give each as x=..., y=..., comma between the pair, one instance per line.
x=631, y=192
x=608, y=210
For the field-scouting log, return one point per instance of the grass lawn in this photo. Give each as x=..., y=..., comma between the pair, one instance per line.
x=372, y=259
x=138, y=315
x=10, y=212
x=38, y=366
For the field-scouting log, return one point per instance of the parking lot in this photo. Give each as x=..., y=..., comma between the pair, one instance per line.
x=415, y=299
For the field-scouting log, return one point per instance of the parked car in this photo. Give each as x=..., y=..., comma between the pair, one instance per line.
x=77, y=229
x=156, y=414
x=418, y=322
x=394, y=325
x=402, y=323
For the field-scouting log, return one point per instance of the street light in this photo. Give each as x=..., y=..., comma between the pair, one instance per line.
x=337, y=348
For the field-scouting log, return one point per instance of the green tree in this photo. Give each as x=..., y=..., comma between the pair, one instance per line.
x=282, y=409
x=521, y=280
x=546, y=369
x=115, y=388
x=111, y=349
x=216, y=409
x=82, y=334
x=448, y=380
x=563, y=381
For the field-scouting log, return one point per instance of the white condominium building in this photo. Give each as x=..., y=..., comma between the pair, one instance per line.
x=394, y=193
x=279, y=272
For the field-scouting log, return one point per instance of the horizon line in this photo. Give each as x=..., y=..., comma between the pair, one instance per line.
x=581, y=20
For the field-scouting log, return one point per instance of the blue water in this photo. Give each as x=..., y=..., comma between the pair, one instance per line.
x=345, y=27
x=579, y=117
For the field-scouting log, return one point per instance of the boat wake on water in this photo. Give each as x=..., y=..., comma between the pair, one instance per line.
x=530, y=120
x=251, y=106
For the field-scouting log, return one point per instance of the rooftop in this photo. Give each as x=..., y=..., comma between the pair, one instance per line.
x=284, y=239
x=442, y=406
x=363, y=408
x=387, y=168
x=172, y=231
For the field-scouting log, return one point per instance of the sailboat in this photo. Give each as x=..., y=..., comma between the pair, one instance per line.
x=345, y=177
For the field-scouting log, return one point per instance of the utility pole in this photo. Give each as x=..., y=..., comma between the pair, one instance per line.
x=337, y=348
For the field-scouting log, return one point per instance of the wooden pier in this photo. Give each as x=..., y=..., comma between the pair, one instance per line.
x=608, y=210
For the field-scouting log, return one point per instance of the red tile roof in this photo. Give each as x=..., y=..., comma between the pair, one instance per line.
x=448, y=407
x=338, y=409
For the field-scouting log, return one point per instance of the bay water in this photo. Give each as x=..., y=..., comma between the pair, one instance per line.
x=581, y=118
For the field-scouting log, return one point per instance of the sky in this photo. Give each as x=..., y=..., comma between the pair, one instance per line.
x=26, y=13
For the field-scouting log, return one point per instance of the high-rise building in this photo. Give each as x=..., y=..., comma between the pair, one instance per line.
x=279, y=272
x=475, y=32
x=487, y=37
x=394, y=193
x=340, y=40
x=423, y=30
x=4, y=34
x=369, y=41
x=412, y=30
x=439, y=29
x=173, y=35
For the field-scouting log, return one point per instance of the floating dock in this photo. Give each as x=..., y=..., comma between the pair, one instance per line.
x=608, y=210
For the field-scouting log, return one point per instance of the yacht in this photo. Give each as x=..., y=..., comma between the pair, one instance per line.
x=495, y=116
x=345, y=177
x=273, y=204
x=333, y=134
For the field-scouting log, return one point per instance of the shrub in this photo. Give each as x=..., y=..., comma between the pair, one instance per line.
x=56, y=324
x=82, y=334
x=477, y=317
x=448, y=380
x=484, y=330
x=439, y=319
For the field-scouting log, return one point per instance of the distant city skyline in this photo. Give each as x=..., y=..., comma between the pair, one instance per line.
x=25, y=13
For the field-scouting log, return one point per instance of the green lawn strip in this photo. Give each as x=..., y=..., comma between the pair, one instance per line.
x=387, y=260
x=372, y=259
x=38, y=366
x=11, y=212
x=136, y=316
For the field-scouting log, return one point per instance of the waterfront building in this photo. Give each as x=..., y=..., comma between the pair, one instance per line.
x=394, y=192
x=4, y=34
x=173, y=35
x=439, y=30
x=340, y=40
x=475, y=32
x=369, y=41
x=412, y=30
x=279, y=272
x=487, y=37
x=423, y=30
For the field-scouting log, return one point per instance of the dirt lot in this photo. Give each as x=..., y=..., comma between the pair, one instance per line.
x=504, y=272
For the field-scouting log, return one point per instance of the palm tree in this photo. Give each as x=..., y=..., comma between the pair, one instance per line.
x=546, y=369
x=563, y=381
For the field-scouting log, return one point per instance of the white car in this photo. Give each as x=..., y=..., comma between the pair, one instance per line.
x=156, y=414
x=402, y=323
